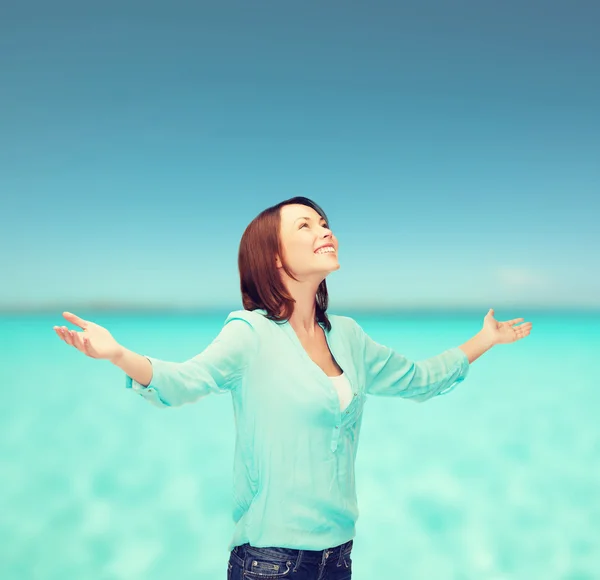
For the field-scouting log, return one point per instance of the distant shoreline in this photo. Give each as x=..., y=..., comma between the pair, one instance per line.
x=520, y=309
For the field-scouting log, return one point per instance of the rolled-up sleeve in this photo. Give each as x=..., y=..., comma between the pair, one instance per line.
x=388, y=373
x=217, y=369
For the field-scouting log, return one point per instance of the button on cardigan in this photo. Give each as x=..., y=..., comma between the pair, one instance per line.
x=295, y=450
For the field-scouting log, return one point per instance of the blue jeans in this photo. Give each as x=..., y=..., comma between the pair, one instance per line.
x=249, y=563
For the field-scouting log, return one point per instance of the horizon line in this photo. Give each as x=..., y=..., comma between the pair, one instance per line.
x=157, y=308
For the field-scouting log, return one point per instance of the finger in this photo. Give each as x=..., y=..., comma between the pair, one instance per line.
x=75, y=319
x=515, y=320
x=77, y=340
x=59, y=333
x=87, y=348
x=67, y=335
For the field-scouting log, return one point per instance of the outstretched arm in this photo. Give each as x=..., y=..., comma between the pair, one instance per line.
x=136, y=366
x=476, y=346
x=389, y=373
x=217, y=369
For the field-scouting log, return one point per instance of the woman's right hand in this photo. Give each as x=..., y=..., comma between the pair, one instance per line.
x=94, y=340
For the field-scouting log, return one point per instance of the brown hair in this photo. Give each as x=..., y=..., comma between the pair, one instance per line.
x=260, y=282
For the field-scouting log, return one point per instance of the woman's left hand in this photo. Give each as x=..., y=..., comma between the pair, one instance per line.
x=504, y=332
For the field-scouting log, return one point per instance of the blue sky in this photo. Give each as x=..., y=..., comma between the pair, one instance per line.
x=456, y=150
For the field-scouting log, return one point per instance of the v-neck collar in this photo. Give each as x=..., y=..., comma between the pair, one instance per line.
x=292, y=334
x=334, y=347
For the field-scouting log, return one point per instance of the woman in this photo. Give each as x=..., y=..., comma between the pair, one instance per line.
x=298, y=379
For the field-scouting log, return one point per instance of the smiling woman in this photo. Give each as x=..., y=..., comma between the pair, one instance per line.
x=298, y=379
x=278, y=259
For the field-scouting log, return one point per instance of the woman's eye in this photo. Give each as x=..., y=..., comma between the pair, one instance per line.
x=305, y=224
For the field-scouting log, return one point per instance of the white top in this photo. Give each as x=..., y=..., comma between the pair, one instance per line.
x=342, y=386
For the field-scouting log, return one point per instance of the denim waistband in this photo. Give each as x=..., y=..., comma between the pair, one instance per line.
x=312, y=556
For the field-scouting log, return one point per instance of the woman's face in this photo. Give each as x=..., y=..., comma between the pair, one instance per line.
x=303, y=231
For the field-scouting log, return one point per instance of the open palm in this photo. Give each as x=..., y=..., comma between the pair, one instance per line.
x=504, y=332
x=94, y=340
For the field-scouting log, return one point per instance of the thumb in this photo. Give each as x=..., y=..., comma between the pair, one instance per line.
x=490, y=311
x=75, y=319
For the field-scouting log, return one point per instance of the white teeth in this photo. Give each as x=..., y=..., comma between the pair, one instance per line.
x=327, y=250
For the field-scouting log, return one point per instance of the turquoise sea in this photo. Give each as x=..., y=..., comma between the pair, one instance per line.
x=498, y=480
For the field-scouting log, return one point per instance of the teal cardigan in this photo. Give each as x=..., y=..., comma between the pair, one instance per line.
x=295, y=449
